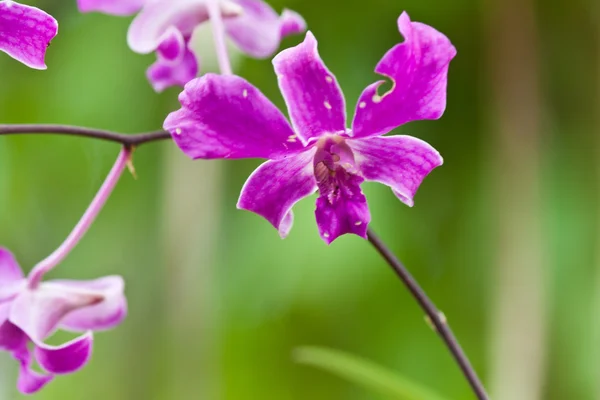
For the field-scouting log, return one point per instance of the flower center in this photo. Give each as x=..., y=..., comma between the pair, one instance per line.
x=334, y=168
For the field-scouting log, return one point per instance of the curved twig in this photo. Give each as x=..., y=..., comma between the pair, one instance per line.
x=128, y=140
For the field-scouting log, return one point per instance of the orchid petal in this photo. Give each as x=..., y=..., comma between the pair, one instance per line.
x=25, y=33
x=11, y=277
x=176, y=64
x=172, y=45
x=258, y=30
x=418, y=68
x=291, y=23
x=66, y=358
x=163, y=75
x=105, y=315
x=274, y=187
x=29, y=381
x=11, y=337
x=4, y=312
x=343, y=209
x=226, y=117
x=314, y=99
x=10, y=290
x=9, y=268
x=39, y=311
x=147, y=29
x=400, y=162
x=14, y=340
x=112, y=7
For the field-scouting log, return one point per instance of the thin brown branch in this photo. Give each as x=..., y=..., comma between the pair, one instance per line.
x=136, y=139
x=433, y=314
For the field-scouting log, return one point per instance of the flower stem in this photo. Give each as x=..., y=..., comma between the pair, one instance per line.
x=434, y=315
x=126, y=140
x=218, y=28
x=84, y=223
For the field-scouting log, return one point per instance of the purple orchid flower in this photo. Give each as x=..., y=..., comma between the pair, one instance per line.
x=30, y=314
x=227, y=117
x=25, y=33
x=166, y=26
x=32, y=310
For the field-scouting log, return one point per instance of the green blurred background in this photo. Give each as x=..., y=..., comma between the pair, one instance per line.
x=504, y=237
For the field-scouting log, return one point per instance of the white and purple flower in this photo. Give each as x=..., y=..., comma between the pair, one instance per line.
x=166, y=26
x=26, y=33
x=29, y=314
x=227, y=117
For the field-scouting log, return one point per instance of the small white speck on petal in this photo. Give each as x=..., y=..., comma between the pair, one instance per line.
x=326, y=235
x=292, y=138
x=245, y=93
x=362, y=104
x=376, y=98
x=329, y=79
x=358, y=223
x=327, y=105
x=178, y=131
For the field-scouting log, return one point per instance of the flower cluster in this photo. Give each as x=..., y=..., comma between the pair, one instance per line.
x=166, y=27
x=225, y=116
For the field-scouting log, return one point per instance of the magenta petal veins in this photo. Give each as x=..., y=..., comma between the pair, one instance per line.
x=26, y=33
x=400, y=162
x=227, y=117
x=274, y=187
x=418, y=68
x=314, y=99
